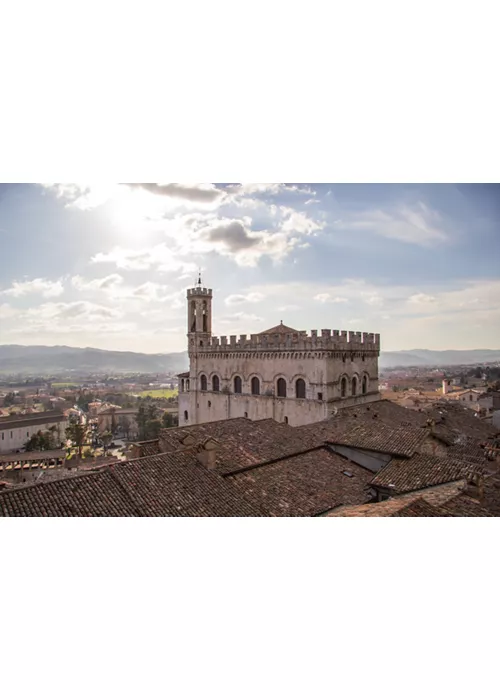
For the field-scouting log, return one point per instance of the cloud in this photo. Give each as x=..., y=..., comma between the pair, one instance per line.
x=7, y=311
x=252, y=297
x=100, y=284
x=72, y=310
x=198, y=193
x=45, y=288
x=422, y=299
x=161, y=257
x=297, y=222
x=326, y=297
x=239, y=317
x=419, y=225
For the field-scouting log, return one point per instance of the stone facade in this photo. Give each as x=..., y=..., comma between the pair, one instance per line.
x=282, y=373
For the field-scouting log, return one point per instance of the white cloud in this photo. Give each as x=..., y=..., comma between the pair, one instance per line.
x=100, y=284
x=161, y=257
x=326, y=297
x=252, y=297
x=239, y=317
x=45, y=288
x=7, y=311
x=297, y=222
x=422, y=299
x=419, y=225
x=61, y=311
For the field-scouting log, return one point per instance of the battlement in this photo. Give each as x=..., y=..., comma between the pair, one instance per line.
x=199, y=291
x=328, y=340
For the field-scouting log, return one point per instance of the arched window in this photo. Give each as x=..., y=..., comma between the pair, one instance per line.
x=364, y=385
x=187, y=384
x=286, y=419
x=354, y=386
x=281, y=387
x=343, y=387
x=193, y=316
x=203, y=382
x=204, y=313
x=215, y=383
x=237, y=385
x=300, y=389
x=255, y=383
x=182, y=384
x=185, y=415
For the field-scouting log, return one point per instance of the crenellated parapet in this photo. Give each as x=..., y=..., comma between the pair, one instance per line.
x=196, y=291
x=326, y=339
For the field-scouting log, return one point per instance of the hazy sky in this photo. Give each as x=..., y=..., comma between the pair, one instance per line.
x=108, y=265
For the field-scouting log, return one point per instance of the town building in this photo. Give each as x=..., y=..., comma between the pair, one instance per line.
x=281, y=373
x=16, y=430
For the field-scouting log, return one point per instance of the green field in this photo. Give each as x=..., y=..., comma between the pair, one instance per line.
x=64, y=385
x=159, y=393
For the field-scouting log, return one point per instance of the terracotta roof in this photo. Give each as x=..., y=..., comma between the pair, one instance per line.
x=280, y=328
x=25, y=456
x=434, y=496
x=23, y=420
x=364, y=430
x=243, y=442
x=303, y=485
x=403, y=475
x=165, y=485
x=148, y=448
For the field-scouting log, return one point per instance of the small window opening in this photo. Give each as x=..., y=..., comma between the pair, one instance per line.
x=320, y=396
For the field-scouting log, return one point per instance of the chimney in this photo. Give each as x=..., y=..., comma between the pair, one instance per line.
x=207, y=453
x=474, y=486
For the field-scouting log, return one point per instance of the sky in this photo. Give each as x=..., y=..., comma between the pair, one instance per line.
x=108, y=265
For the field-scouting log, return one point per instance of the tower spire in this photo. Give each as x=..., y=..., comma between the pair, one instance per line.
x=199, y=277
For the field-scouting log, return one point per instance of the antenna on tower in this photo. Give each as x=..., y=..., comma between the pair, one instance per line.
x=199, y=277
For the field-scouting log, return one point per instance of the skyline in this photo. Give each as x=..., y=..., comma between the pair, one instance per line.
x=107, y=266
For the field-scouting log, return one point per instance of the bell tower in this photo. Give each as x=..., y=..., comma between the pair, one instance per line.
x=199, y=316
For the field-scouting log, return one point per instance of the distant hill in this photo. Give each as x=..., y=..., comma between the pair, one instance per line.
x=421, y=358
x=42, y=359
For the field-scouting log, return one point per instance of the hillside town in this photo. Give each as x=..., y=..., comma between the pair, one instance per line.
x=283, y=423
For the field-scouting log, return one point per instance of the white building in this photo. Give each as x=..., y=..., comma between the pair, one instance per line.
x=16, y=430
x=281, y=373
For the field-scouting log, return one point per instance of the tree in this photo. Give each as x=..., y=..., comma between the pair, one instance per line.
x=41, y=441
x=124, y=425
x=147, y=420
x=9, y=399
x=106, y=439
x=153, y=428
x=170, y=420
x=78, y=434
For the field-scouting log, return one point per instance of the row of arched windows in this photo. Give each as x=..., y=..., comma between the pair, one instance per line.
x=281, y=388
x=354, y=386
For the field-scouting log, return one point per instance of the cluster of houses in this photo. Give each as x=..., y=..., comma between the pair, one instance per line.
x=378, y=459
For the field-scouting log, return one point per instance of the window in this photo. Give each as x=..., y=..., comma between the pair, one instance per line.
x=215, y=383
x=320, y=396
x=27, y=434
x=204, y=313
x=187, y=384
x=363, y=385
x=354, y=386
x=203, y=382
x=343, y=386
x=281, y=388
x=286, y=419
x=470, y=397
x=255, y=386
x=300, y=389
x=209, y=404
x=201, y=343
x=185, y=415
x=246, y=414
x=237, y=385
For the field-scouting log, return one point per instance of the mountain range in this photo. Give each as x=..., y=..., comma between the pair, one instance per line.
x=43, y=359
